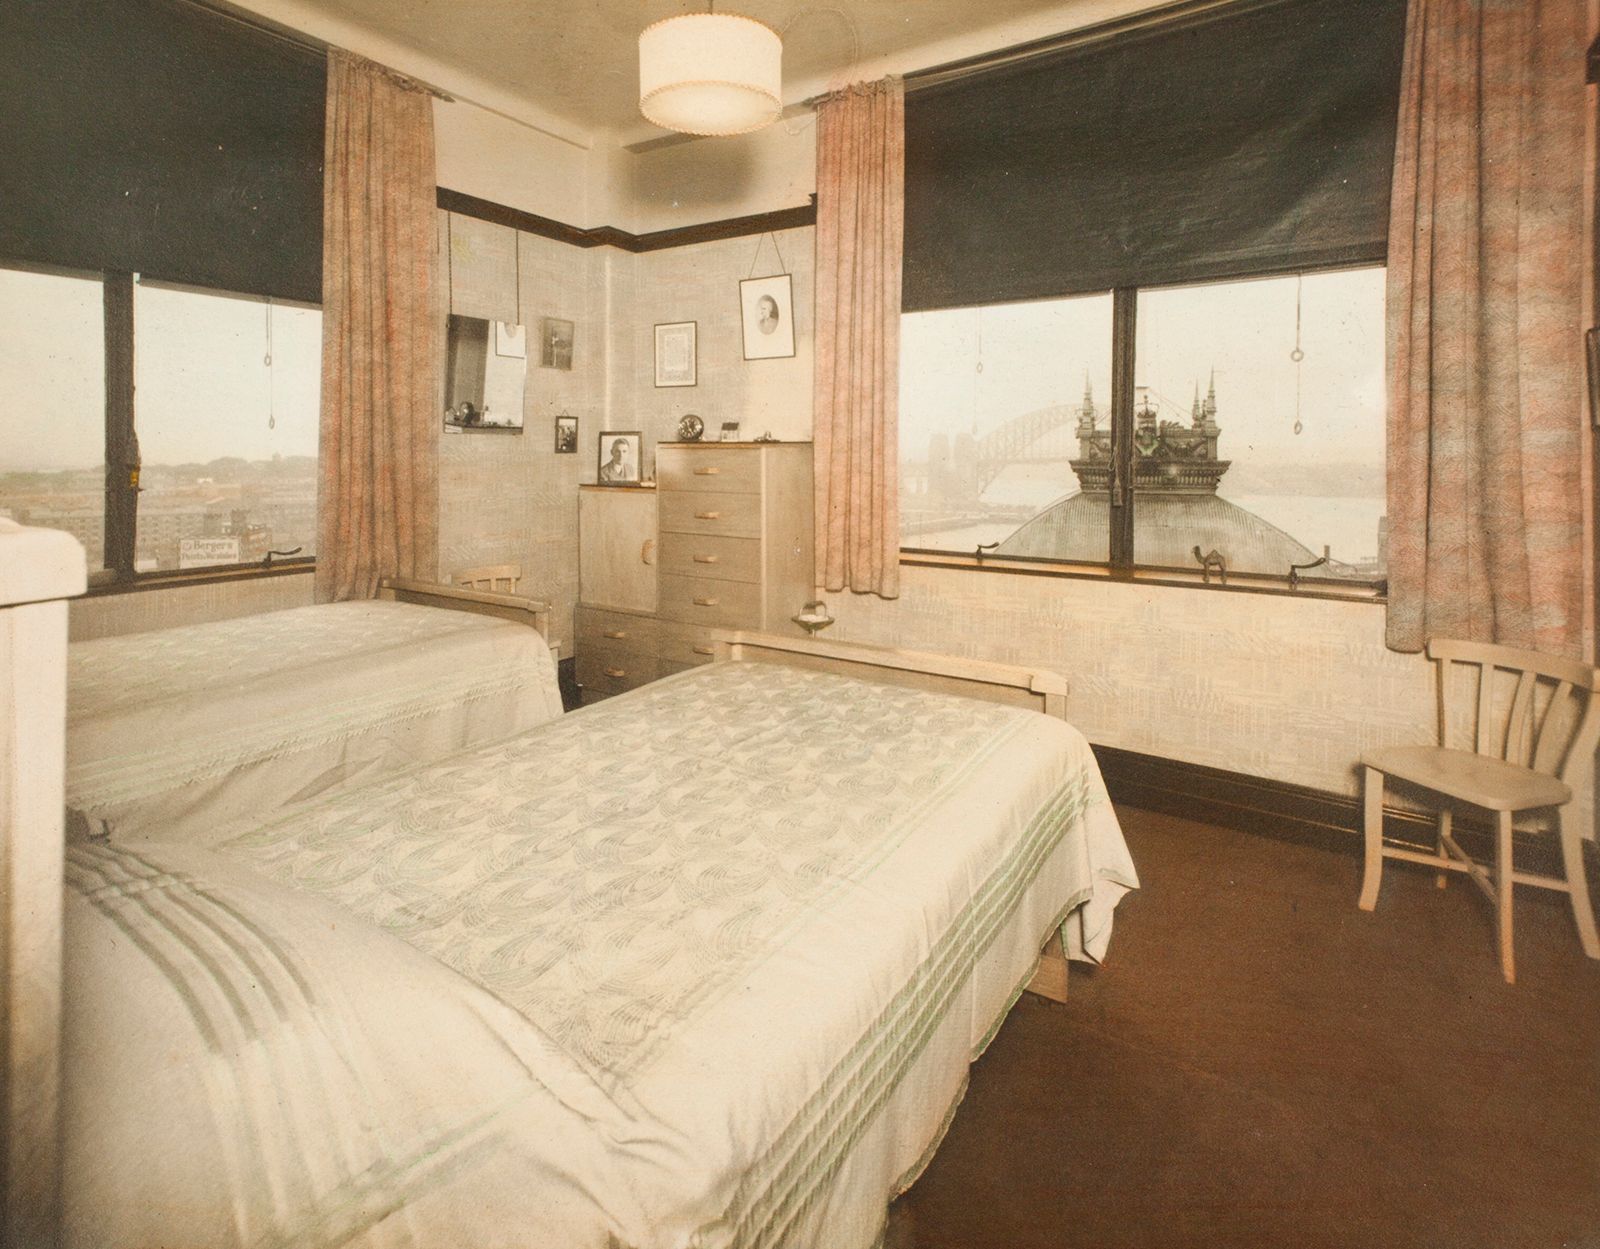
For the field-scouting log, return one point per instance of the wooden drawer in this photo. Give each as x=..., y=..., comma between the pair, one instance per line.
x=697, y=511
x=684, y=645
x=609, y=671
x=711, y=555
x=701, y=601
x=612, y=630
x=730, y=470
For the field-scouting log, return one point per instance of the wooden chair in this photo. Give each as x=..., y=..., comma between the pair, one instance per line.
x=496, y=578
x=1525, y=749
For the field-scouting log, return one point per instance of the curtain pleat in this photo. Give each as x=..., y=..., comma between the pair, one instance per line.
x=860, y=211
x=378, y=495
x=1485, y=362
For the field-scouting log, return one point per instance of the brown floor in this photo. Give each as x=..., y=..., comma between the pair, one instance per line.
x=1259, y=1063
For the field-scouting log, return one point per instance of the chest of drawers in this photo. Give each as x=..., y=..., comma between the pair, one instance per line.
x=725, y=543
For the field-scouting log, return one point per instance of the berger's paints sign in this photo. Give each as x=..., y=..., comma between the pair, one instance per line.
x=204, y=552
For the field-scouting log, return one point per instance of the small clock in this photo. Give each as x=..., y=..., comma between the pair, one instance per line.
x=690, y=428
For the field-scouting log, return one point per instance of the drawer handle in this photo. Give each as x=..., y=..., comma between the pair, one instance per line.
x=707, y=472
x=647, y=552
x=616, y=672
x=616, y=635
x=706, y=602
x=704, y=650
x=708, y=559
x=708, y=515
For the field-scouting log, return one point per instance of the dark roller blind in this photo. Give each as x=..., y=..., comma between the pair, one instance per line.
x=158, y=137
x=1256, y=137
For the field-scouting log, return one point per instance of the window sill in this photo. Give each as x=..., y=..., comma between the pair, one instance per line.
x=196, y=576
x=1238, y=583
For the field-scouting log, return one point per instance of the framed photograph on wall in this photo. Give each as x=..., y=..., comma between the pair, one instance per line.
x=621, y=457
x=510, y=341
x=555, y=343
x=766, y=308
x=675, y=353
x=566, y=435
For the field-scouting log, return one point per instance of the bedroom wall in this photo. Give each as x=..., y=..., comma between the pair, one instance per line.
x=108, y=615
x=700, y=283
x=509, y=498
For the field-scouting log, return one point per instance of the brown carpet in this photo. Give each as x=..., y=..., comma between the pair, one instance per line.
x=1259, y=1063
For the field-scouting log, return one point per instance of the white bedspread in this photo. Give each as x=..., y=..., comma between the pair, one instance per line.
x=700, y=966
x=184, y=729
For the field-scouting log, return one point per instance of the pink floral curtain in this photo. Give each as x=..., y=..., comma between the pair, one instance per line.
x=378, y=495
x=1487, y=501
x=860, y=211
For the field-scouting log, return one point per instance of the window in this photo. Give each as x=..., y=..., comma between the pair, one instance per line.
x=1218, y=190
x=52, y=388
x=226, y=395
x=1257, y=428
x=990, y=401
x=220, y=436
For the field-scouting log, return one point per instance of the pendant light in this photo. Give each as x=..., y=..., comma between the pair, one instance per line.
x=710, y=73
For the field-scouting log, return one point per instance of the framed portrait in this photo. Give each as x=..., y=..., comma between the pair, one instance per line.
x=766, y=306
x=620, y=458
x=566, y=435
x=555, y=343
x=510, y=341
x=675, y=353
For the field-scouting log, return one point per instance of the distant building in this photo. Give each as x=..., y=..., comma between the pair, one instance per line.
x=1175, y=476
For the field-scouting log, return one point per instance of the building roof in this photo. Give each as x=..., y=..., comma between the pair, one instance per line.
x=1166, y=529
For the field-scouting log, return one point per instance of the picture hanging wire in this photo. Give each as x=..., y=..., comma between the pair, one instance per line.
x=1297, y=355
x=782, y=267
x=266, y=360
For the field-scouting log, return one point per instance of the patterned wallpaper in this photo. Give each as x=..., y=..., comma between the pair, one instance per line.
x=700, y=283
x=509, y=498
x=110, y=615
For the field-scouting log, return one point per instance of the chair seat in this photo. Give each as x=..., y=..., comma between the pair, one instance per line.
x=1479, y=779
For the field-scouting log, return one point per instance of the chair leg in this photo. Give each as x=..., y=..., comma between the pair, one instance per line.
x=1442, y=879
x=1577, y=882
x=1372, y=831
x=1503, y=886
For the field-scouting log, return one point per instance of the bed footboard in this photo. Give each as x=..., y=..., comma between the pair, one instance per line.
x=526, y=611
x=1016, y=686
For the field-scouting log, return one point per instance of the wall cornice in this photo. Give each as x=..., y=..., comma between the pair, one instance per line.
x=609, y=236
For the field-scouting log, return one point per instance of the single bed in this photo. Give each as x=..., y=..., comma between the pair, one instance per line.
x=201, y=725
x=701, y=966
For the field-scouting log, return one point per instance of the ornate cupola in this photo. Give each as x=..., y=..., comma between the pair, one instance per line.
x=1169, y=457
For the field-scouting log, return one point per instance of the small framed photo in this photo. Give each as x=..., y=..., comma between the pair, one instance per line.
x=566, y=435
x=620, y=457
x=767, y=310
x=555, y=343
x=675, y=353
x=510, y=341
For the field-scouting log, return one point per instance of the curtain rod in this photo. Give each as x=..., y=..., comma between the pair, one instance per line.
x=298, y=39
x=1173, y=14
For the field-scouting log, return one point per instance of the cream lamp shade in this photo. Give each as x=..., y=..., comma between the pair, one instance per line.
x=710, y=74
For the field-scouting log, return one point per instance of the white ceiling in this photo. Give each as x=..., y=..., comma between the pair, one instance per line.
x=576, y=62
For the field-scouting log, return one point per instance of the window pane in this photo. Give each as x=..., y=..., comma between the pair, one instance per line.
x=991, y=402
x=53, y=405
x=1245, y=450
x=226, y=395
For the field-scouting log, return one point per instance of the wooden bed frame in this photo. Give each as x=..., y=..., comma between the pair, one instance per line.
x=1035, y=688
x=528, y=611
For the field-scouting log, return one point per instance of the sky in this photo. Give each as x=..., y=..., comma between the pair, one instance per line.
x=202, y=387
x=1036, y=354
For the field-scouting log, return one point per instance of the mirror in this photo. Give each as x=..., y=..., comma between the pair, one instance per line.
x=486, y=368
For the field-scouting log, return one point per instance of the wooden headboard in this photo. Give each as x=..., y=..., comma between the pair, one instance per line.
x=1036, y=688
x=526, y=611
